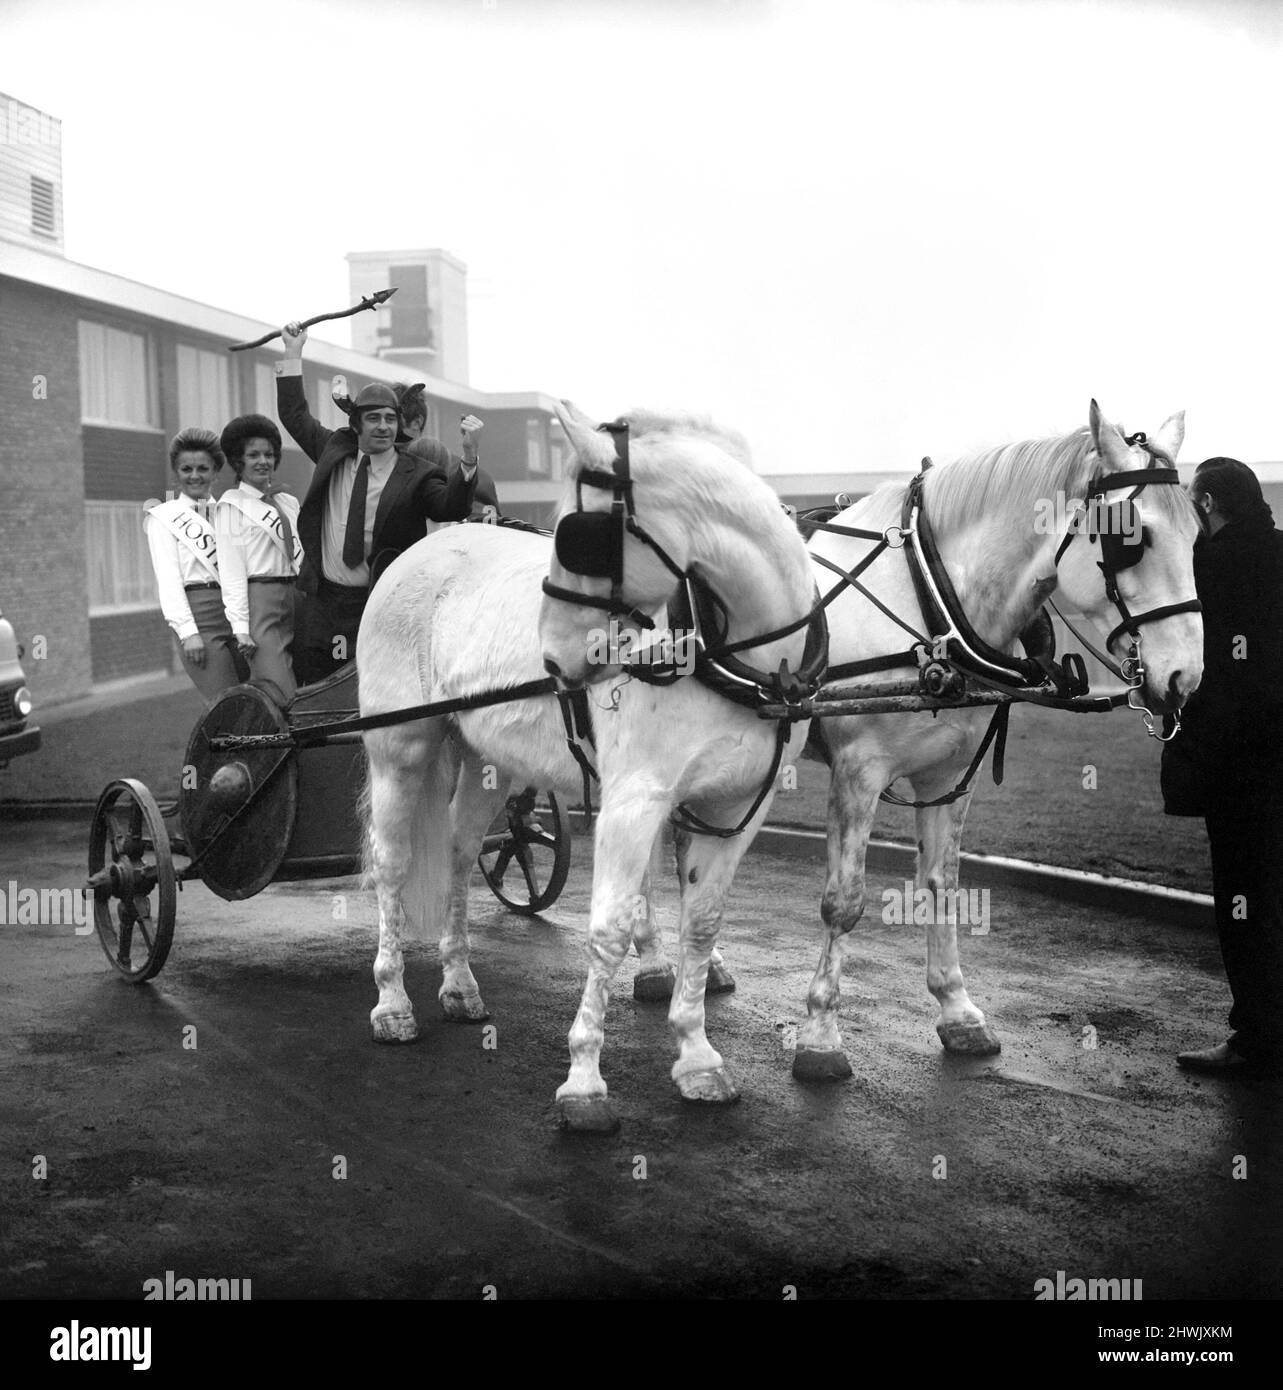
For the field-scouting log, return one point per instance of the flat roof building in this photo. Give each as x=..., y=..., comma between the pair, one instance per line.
x=98, y=373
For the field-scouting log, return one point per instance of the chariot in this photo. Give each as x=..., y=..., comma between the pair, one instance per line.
x=270, y=794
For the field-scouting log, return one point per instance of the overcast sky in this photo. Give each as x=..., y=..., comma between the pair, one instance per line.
x=858, y=231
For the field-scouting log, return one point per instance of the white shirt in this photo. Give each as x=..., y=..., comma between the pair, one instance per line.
x=177, y=564
x=247, y=549
x=334, y=531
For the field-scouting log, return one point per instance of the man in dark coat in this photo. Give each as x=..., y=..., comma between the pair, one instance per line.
x=1226, y=764
x=369, y=500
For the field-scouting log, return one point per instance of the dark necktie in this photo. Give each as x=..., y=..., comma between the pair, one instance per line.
x=269, y=493
x=354, y=538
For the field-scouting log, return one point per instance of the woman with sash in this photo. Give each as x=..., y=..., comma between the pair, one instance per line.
x=256, y=524
x=183, y=554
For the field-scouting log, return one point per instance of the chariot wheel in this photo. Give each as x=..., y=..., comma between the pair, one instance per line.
x=525, y=856
x=131, y=877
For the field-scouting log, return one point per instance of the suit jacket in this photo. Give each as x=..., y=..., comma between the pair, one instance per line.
x=415, y=494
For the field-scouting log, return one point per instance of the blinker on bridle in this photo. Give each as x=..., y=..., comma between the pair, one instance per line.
x=591, y=544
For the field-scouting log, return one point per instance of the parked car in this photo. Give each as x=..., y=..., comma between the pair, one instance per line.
x=17, y=734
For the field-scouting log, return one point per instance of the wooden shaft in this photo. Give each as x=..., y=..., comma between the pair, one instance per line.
x=822, y=708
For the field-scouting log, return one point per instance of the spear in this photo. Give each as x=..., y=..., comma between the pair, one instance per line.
x=371, y=301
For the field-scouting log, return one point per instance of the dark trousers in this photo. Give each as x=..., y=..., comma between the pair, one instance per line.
x=224, y=665
x=329, y=620
x=1247, y=883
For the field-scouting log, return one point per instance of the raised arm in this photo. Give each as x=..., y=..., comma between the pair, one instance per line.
x=291, y=400
x=454, y=501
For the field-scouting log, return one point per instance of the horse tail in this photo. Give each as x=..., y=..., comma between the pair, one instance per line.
x=426, y=896
x=415, y=813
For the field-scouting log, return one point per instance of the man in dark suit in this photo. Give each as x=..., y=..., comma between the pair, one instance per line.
x=368, y=501
x=1226, y=764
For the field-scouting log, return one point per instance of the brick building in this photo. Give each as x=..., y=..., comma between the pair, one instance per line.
x=97, y=373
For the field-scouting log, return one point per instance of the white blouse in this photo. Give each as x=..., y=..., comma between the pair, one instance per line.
x=251, y=544
x=177, y=563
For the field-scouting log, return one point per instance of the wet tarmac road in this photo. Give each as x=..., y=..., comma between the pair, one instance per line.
x=287, y=1149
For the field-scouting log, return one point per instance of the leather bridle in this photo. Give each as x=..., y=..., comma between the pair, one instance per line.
x=1118, y=553
x=591, y=544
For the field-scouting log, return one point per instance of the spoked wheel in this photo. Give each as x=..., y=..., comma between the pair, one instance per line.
x=525, y=856
x=131, y=875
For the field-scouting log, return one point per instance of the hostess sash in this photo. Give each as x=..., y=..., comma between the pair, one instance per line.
x=191, y=529
x=265, y=516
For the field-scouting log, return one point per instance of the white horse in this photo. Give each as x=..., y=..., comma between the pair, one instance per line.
x=985, y=511
x=461, y=613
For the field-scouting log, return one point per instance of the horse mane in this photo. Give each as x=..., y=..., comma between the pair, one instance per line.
x=642, y=423
x=725, y=482
x=1003, y=483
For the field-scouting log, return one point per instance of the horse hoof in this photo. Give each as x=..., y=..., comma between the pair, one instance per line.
x=393, y=1028
x=969, y=1039
x=587, y=1115
x=821, y=1064
x=720, y=980
x=654, y=986
x=708, y=1087
x=464, y=1008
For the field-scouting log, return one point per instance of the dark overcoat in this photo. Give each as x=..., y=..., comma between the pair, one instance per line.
x=1228, y=757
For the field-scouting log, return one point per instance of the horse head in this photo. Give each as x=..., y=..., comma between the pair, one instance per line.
x=1125, y=560
x=651, y=505
x=604, y=580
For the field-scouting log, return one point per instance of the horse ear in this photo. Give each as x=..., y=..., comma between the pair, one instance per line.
x=590, y=445
x=1170, y=436
x=1110, y=445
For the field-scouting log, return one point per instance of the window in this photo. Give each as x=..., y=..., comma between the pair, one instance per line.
x=408, y=319
x=536, y=454
x=265, y=390
x=117, y=377
x=42, y=206
x=120, y=572
x=204, y=389
x=558, y=452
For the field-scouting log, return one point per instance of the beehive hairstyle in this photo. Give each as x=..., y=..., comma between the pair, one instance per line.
x=196, y=442
x=240, y=431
